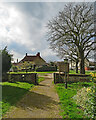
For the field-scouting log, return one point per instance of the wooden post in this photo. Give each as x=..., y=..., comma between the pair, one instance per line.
x=36, y=79
x=54, y=78
x=66, y=80
x=59, y=74
x=67, y=76
x=64, y=77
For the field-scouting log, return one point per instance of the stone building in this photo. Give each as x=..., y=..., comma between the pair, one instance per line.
x=31, y=59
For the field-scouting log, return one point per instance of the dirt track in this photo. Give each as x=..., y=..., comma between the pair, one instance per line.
x=40, y=102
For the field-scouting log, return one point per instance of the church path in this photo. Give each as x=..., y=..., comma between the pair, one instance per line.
x=40, y=102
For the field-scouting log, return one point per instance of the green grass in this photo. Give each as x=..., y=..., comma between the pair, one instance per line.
x=68, y=105
x=40, y=79
x=12, y=92
x=30, y=72
x=70, y=72
x=74, y=72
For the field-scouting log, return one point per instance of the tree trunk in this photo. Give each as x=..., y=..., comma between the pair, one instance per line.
x=71, y=64
x=76, y=66
x=82, y=64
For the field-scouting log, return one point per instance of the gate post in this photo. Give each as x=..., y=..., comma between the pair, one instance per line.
x=54, y=74
x=36, y=77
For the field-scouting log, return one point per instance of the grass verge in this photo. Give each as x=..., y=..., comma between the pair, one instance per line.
x=86, y=72
x=40, y=79
x=12, y=92
x=30, y=72
x=68, y=105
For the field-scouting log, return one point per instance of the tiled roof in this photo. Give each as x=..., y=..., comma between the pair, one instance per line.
x=29, y=58
x=17, y=63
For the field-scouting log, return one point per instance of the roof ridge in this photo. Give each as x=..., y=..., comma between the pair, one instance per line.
x=31, y=56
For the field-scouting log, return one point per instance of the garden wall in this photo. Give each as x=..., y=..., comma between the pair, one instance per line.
x=59, y=78
x=27, y=77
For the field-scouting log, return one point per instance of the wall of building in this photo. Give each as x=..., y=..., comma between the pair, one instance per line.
x=74, y=64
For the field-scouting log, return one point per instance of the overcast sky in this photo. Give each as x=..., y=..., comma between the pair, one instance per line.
x=23, y=27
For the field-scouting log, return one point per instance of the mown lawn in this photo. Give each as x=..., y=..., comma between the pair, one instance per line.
x=70, y=72
x=68, y=105
x=86, y=72
x=13, y=92
x=31, y=72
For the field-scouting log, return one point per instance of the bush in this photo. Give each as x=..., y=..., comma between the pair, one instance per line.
x=15, y=68
x=91, y=107
x=46, y=68
x=6, y=60
x=86, y=98
x=6, y=63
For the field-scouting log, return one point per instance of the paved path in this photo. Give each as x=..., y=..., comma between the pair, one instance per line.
x=40, y=102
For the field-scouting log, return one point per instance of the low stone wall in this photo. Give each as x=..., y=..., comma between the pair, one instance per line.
x=60, y=78
x=27, y=77
x=4, y=77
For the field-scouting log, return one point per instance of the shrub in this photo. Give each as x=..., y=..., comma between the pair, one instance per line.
x=6, y=63
x=15, y=68
x=6, y=60
x=86, y=98
x=46, y=68
x=91, y=107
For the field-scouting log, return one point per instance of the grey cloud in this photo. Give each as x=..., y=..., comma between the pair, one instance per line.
x=35, y=16
x=22, y=49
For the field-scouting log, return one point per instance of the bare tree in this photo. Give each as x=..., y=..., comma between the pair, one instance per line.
x=70, y=52
x=74, y=26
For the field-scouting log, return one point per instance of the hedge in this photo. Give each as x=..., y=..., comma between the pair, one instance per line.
x=46, y=68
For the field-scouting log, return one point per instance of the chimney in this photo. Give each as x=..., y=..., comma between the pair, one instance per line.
x=38, y=54
x=26, y=54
